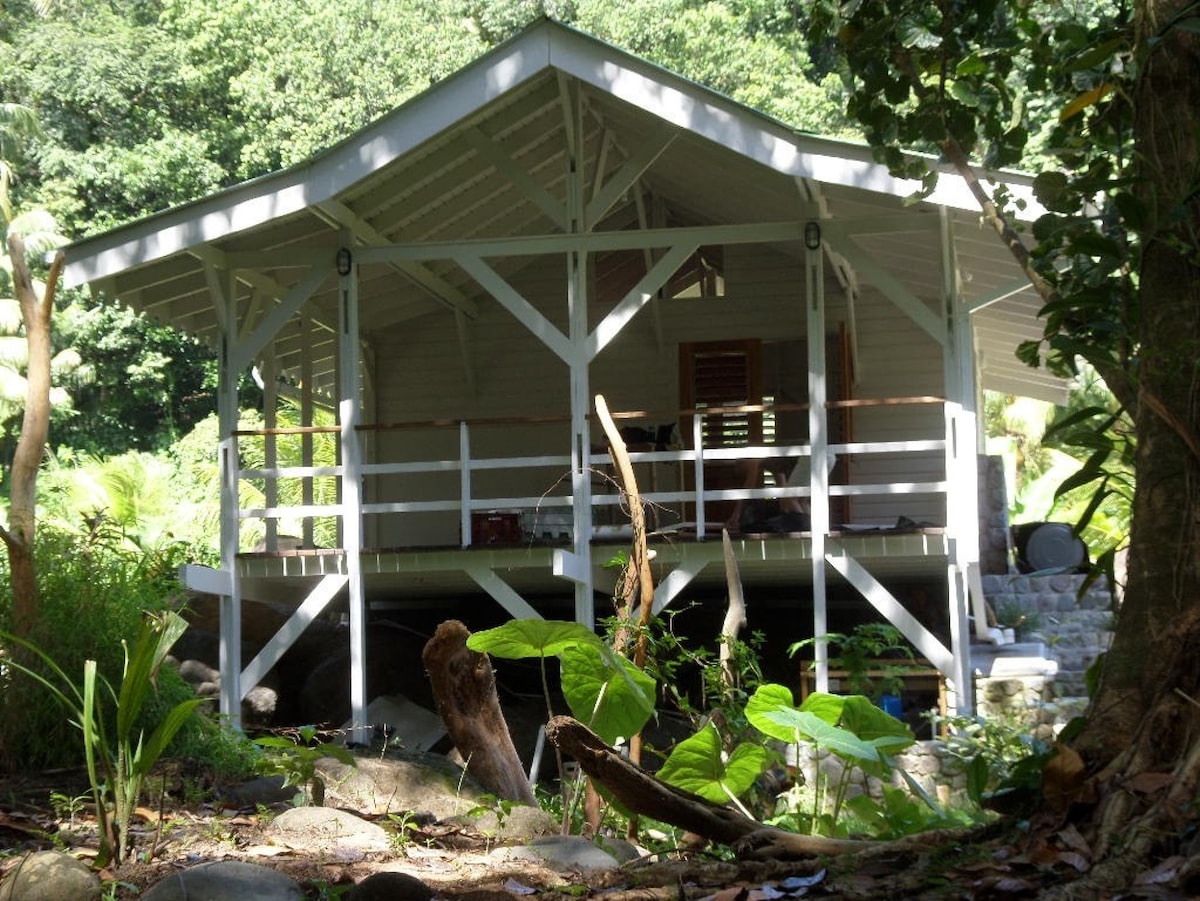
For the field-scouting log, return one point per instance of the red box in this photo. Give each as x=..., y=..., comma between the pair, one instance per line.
x=495, y=528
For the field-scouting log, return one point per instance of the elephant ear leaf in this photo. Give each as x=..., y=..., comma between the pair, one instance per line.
x=698, y=764
x=521, y=638
x=607, y=692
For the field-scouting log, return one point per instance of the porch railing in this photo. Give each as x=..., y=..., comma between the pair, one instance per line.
x=461, y=480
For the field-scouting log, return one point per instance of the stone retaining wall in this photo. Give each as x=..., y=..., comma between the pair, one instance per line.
x=930, y=763
x=1075, y=629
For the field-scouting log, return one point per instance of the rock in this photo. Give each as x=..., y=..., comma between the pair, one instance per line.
x=197, y=653
x=225, y=880
x=50, y=876
x=390, y=886
x=403, y=783
x=324, y=829
x=564, y=853
x=519, y=823
x=265, y=790
x=624, y=851
x=397, y=718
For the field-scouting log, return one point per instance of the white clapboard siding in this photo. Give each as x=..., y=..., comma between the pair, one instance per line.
x=420, y=375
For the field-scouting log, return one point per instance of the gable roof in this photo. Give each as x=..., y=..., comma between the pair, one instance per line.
x=482, y=155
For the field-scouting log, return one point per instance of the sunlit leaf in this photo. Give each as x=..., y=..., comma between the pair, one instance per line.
x=608, y=693
x=521, y=638
x=697, y=764
x=1084, y=100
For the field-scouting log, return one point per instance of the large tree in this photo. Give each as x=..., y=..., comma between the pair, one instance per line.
x=1117, y=258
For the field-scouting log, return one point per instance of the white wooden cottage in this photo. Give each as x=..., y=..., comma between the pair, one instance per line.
x=558, y=220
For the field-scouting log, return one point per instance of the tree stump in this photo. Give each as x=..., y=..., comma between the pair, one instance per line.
x=464, y=688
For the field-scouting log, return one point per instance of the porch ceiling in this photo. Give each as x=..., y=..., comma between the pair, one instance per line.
x=485, y=155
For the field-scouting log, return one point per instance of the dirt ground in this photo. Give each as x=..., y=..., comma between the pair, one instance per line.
x=51, y=811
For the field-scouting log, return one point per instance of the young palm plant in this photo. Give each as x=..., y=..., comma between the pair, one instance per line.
x=118, y=753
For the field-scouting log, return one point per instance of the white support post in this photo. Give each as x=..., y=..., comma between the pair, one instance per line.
x=269, y=368
x=581, y=398
x=306, y=420
x=230, y=653
x=962, y=473
x=349, y=415
x=818, y=436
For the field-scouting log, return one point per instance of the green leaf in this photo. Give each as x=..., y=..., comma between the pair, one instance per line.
x=971, y=64
x=148, y=755
x=624, y=693
x=964, y=93
x=338, y=753
x=697, y=764
x=155, y=638
x=842, y=742
x=274, y=741
x=1052, y=189
x=828, y=707
x=521, y=638
x=769, y=697
x=914, y=34
x=1094, y=56
x=868, y=722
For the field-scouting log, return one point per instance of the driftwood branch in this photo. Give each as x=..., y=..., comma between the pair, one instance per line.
x=735, y=613
x=638, y=574
x=643, y=794
x=464, y=686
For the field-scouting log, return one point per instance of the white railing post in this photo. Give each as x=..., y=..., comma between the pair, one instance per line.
x=230, y=652
x=698, y=446
x=464, y=481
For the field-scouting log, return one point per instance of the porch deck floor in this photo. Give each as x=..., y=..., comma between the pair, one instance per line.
x=416, y=574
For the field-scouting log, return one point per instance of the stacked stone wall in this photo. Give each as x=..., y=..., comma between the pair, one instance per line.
x=1075, y=628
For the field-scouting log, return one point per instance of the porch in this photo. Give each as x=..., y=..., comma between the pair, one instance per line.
x=522, y=552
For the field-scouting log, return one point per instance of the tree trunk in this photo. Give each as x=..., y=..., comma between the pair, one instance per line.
x=1146, y=717
x=464, y=687
x=35, y=428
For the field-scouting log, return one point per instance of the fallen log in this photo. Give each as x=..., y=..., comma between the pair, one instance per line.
x=464, y=686
x=641, y=793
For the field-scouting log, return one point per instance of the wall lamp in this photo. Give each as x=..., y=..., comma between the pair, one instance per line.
x=344, y=261
x=812, y=235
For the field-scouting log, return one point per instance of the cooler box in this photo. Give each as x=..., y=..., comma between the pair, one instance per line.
x=495, y=527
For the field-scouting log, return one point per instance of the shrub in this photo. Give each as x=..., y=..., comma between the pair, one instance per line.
x=94, y=591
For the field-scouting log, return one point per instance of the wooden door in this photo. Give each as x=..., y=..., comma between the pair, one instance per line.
x=723, y=374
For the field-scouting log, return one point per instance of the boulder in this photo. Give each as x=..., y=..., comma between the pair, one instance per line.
x=391, y=886
x=326, y=830
x=563, y=853
x=518, y=823
x=225, y=880
x=50, y=876
x=401, y=783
